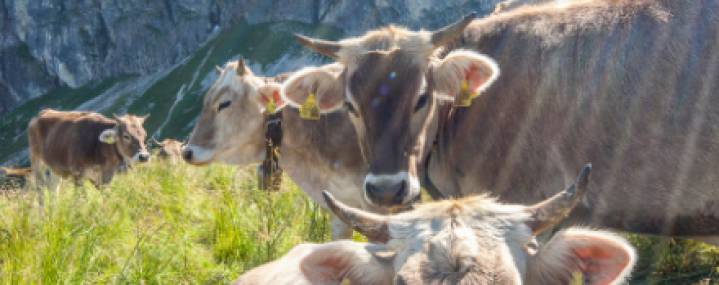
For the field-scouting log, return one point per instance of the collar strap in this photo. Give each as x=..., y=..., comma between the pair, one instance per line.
x=269, y=173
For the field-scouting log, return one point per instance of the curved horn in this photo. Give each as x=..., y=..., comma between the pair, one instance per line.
x=550, y=212
x=323, y=47
x=451, y=32
x=218, y=70
x=373, y=226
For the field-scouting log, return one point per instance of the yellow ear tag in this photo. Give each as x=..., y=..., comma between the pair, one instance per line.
x=577, y=278
x=309, y=110
x=465, y=96
x=270, y=107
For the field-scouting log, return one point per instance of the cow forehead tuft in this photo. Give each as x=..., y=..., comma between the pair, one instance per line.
x=386, y=39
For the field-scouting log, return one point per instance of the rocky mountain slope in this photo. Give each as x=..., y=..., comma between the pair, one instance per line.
x=157, y=57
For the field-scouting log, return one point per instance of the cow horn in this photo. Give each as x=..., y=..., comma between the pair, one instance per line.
x=373, y=226
x=323, y=47
x=218, y=70
x=451, y=32
x=240, y=67
x=551, y=211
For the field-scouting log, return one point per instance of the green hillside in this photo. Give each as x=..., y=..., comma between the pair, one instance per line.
x=172, y=97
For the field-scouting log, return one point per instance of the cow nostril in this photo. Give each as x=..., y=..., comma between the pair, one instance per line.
x=187, y=154
x=144, y=157
x=401, y=192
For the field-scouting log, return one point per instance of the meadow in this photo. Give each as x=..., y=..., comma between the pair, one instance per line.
x=178, y=224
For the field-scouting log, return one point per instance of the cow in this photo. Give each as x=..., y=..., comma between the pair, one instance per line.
x=13, y=178
x=508, y=5
x=316, y=154
x=629, y=85
x=169, y=149
x=83, y=145
x=473, y=240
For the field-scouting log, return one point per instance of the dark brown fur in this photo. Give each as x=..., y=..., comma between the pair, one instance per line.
x=68, y=143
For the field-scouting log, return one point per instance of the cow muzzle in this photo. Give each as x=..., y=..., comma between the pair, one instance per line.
x=142, y=156
x=197, y=155
x=388, y=190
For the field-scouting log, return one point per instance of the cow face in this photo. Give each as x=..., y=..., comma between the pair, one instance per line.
x=390, y=85
x=169, y=149
x=480, y=241
x=129, y=137
x=230, y=127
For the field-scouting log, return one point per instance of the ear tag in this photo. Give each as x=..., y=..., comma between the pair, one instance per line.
x=577, y=278
x=270, y=107
x=465, y=96
x=309, y=110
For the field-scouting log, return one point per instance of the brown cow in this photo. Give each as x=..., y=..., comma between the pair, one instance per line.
x=630, y=85
x=474, y=240
x=316, y=154
x=84, y=145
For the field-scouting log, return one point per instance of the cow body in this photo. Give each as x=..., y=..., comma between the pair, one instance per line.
x=473, y=240
x=316, y=154
x=630, y=86
x=69, y=144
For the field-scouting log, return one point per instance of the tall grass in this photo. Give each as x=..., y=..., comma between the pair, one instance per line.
x=177, y=224
x=157, y=224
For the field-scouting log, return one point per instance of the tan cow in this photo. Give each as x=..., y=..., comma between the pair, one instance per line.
x=474, y=240
x=629, y=85
x=316, y=154
x=84, y=145
x=169, y=149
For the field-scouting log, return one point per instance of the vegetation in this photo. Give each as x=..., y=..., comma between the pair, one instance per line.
x=178, y=224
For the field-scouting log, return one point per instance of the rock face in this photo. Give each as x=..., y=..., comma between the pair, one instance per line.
x=47, y=44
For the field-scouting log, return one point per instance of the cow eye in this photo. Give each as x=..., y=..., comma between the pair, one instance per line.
x=421, y=102
x=350, y=108
x=126, y=137
x=223, y=105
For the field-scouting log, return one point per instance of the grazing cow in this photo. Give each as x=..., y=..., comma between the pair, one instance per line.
x=169, y=149
x=84, y=145
x=316, y=154
x=629, y=85
x=473, y=240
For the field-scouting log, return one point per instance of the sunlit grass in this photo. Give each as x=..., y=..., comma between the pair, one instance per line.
x=158, y=224
x=178, y=224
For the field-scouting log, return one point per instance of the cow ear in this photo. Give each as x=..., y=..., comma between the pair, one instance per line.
x=324, y=86
x=328, y=263
x=269, y=97
x=594, y=256
x=108, y=136
x=463, y=73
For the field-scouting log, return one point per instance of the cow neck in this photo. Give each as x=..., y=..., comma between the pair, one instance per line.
x=426, y=181
x=269, y=171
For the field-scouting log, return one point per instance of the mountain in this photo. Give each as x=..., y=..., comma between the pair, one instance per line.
x=158, y=57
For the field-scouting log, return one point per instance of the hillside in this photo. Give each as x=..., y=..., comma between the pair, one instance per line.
x=159, y=58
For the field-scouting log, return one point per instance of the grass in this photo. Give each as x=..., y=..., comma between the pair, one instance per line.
x=178, y=224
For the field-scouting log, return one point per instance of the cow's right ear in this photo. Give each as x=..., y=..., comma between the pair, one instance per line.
x=463, y=75
x=324, y=85
x=108, y=136
x=269, y=97
x=596, y=257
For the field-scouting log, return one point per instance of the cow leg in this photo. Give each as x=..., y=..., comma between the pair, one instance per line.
x=340, y=230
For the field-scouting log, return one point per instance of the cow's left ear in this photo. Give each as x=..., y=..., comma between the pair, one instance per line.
x=269, y=97
x=594, y=256
x=108, y=136
x=463, y=73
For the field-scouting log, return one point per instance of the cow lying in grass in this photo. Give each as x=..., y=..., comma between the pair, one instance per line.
x=474, y=240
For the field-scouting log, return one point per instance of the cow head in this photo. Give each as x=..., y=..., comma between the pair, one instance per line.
x=390, y=86
x=480, y=241
x=128, y=136
x=168, y=148
x=230, y=127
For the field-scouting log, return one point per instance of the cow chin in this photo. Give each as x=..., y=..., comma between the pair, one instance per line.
x=198, y=155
